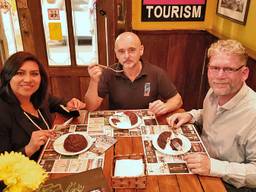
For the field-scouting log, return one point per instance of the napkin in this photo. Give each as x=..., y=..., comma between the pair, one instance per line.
x=129, y=167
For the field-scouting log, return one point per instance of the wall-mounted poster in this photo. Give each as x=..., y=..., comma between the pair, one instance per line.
x=173, y=10
x=234, y=10
x=53, y=14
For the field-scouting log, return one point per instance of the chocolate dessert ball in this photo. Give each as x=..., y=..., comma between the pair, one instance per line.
x=75, y=143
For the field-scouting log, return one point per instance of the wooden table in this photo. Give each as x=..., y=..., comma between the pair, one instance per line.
x=173, y=183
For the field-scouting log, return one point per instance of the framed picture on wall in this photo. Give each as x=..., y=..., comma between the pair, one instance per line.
x=235, y=10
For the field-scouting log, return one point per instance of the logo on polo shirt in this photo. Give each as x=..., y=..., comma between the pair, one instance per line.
x=146, y=89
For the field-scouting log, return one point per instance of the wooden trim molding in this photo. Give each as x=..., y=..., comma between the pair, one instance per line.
x=68, y=71
x=2, y=53
x=71, y=39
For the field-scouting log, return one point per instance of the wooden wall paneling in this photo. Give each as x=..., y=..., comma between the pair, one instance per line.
x=185, y=65
x=186, y=62
x=68, y=71
x=195, y=87
x=177, y=62
x=66, y=87
x=182, y=55
x=155, y=48
x=38, y=31
x=78, y=79
x=26, y=29
x=251, y=81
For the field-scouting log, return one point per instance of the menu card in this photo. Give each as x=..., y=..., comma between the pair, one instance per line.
x=92, y=180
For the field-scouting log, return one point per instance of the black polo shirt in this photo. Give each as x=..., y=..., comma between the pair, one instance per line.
x=151, y=84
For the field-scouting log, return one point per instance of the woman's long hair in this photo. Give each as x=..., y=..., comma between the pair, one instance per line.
x=10, y=68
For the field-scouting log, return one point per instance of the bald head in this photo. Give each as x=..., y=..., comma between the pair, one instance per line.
x=128, y=49
x=127, y=37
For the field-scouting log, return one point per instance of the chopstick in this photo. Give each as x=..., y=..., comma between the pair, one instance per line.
x=62, y=126
x=64, y=108
x=67, y=122
x=107, y=67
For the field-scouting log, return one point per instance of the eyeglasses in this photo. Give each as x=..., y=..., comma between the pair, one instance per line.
x=227, y=70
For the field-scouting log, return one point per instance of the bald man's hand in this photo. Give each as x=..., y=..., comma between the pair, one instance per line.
x=95, y=72
x=158, y=107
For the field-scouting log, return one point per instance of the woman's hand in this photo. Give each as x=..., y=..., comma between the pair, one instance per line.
x=38, y=138
x=75, y=104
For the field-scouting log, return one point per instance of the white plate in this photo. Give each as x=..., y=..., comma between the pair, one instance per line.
x=186, y=145
x=58, y=144
x=124, y=121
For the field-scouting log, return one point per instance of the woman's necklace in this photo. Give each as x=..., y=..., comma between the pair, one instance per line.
x=31, y=120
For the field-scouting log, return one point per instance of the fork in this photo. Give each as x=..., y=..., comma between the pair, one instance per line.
x=107, y=67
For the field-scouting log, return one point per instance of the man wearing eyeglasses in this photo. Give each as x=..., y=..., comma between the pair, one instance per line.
x=228, y=118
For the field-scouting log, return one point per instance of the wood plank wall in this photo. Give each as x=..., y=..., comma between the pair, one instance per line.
x=183, y=55
x=251, y=81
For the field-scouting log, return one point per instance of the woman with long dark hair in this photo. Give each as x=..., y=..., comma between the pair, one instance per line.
x=26, y=106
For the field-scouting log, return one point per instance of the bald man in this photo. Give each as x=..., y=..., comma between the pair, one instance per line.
x=139, y=85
